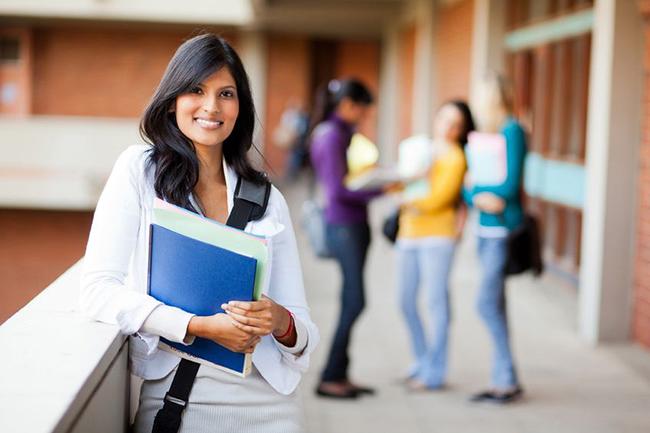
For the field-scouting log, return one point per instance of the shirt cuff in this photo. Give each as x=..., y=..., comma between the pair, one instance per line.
x=301, y=339
x=170, y=323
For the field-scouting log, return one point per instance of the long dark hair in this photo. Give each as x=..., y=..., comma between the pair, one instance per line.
x=173, y=154
x=468, y=120
x=330, y=95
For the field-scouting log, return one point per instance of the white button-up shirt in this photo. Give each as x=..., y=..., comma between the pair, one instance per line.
x=114, y=280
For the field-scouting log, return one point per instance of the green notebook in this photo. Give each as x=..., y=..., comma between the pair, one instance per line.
x=209, y=231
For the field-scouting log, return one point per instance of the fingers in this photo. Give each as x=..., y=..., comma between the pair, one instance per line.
x=253, y=330
x=249, y=309
x=256, y=322
x=246, y=347
x=252, y=344
x=253, y=306
x=242, y=345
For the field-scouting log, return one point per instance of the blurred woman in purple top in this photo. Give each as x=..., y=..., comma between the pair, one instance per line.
x=342, y=106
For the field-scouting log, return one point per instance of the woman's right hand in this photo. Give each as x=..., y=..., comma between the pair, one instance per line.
x=220, y=329
x=489, y=203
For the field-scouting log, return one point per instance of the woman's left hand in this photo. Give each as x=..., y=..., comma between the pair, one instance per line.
x=261, y=317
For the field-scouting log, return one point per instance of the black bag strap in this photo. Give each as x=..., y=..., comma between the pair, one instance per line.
x=250, y=204
x=251, y=200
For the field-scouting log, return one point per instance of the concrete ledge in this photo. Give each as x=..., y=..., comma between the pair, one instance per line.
x=54, y=361
x=60, y=162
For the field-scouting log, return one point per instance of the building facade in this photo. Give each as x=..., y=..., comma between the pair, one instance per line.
x=579, y=70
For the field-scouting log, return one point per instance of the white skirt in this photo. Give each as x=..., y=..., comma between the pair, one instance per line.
x=223, y=402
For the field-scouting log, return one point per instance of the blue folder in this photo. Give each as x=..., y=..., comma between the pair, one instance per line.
x=198, y=277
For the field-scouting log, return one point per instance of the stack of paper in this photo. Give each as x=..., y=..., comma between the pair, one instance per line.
x=373, y=178
x=486, y=158
x=197, y=264
x=415, y=156
x=361, y=154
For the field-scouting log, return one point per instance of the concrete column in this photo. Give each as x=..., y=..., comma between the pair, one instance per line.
x=388, y=96
x=423, y=70
x=612, y=147
x=253, y=53
x=487, y=41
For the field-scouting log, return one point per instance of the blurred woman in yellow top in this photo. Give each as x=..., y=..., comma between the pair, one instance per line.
x=426, y=241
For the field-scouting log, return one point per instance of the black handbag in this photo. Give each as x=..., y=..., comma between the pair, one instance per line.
x=390, y=226
x=525, y=248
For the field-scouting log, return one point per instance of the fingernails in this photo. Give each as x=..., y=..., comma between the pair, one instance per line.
x=224, y=306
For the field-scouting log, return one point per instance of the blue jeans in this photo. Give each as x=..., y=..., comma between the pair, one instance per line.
x=427, y=266
x=491, y=306
x=349, y=245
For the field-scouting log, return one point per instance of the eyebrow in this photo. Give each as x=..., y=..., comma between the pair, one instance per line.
x=228, y=86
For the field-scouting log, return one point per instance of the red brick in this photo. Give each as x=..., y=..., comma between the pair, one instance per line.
x=453, y=41
x=30, y=239
x=107, y=72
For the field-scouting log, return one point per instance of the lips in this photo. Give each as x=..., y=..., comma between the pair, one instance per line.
x=208, y=123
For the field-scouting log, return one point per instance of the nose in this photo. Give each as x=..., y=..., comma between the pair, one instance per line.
x=211, y=104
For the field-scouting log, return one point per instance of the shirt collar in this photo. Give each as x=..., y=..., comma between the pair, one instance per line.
x=231, y=182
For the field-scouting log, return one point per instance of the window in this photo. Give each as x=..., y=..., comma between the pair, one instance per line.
x=9, y=49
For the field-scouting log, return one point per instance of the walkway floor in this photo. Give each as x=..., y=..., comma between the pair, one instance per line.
x=570, y=386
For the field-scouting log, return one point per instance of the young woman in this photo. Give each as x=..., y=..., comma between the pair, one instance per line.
x=500, y=211
x=426, y=242
x=199, y=127
x=343, y=105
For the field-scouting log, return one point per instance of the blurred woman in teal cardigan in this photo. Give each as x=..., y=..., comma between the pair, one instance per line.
x=500, y=212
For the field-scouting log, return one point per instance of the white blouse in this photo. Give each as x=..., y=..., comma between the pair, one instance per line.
x=114, y=279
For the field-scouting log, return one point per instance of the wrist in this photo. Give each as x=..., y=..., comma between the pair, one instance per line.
x=196, y=326
x=284, y=330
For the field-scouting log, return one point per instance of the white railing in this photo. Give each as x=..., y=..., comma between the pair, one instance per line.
x=61, y=372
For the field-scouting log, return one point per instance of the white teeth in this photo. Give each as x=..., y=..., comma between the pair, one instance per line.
x=208, y=123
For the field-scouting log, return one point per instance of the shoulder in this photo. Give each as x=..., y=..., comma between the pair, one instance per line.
x=456, y=154
x=276, y=218
x=454, y=157
x=512, y=128
x=326, y=131
x=514, y=134
x=133, y=159
x=132, y=168
x=277, y=203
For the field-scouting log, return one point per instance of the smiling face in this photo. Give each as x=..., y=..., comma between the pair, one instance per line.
x=207, y=113
x=448, y=124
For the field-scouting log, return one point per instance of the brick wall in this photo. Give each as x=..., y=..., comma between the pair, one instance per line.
x=17, y=75
x=288, y=76
x=107, y=72
x=453, y=48
x=360, y=59
x=641, y=318
x=290, y=79
x=35, y=248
